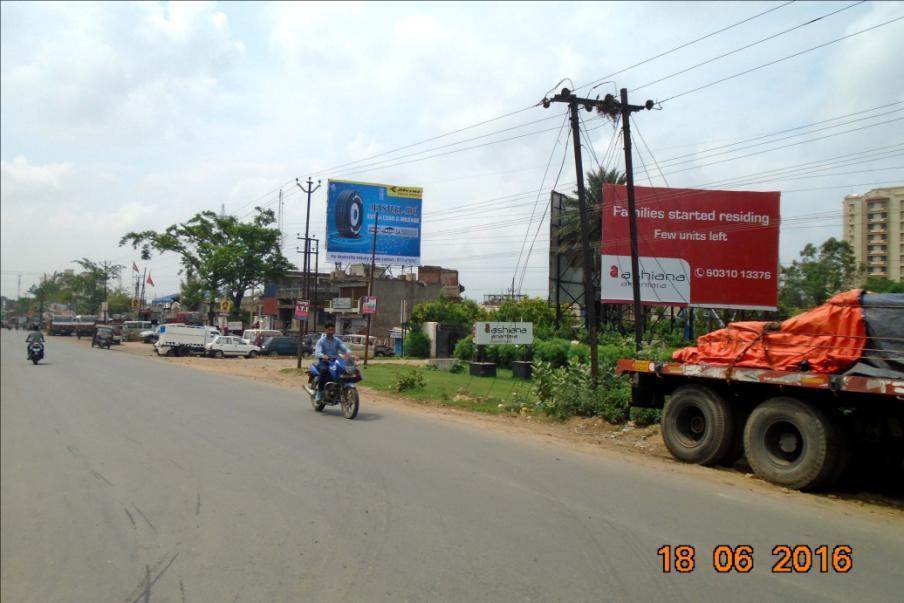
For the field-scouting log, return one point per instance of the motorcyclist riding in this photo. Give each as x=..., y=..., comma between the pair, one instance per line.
x=35, y=335
x=328, y=346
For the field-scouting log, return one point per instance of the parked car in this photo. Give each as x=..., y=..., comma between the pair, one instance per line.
x=285, y=346
x=383, y=350
x=117, y=334
x=231, y=345
x=355, y=343
x=132, y=328
x=257, y=336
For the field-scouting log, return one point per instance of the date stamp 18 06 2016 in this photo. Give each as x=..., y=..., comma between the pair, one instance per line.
x=739, y=559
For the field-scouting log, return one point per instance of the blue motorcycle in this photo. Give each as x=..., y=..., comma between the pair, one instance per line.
x=339, y=388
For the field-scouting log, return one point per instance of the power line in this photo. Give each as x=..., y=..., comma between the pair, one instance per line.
x=779, y=60
x=786, y=130
x=685, y=45
x=380, y=164
x=542, y=182
x=746, y=46
x=793, y=144
x=786, y=173
x=426, y=140
x=542, y=218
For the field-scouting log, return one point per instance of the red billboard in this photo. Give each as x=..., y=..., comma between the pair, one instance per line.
x=706, y=248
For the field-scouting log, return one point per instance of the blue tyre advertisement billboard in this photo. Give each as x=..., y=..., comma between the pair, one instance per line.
x=354, y=208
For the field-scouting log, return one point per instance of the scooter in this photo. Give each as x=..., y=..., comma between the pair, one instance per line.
x=35, y=351
x=339, y=388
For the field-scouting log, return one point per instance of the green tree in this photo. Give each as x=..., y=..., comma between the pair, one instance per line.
x=877, y=284
x=537, y=311
x=570, y=229
x=221, y=252
x=119, y=301
x=820, y=273
x=193, y=292
x=86, y=290
x=447, y=311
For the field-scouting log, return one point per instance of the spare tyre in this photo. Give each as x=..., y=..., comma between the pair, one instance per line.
x=349, y=214
x=697, y=425
x=791, y=443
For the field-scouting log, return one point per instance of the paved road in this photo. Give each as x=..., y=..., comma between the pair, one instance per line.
x=130, y=479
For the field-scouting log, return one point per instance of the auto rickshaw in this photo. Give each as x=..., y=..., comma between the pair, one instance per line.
x=103, y=337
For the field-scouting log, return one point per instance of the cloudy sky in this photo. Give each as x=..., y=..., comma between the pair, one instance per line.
x=119, y=117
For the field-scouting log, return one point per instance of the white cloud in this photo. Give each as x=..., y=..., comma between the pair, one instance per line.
x=19, y=176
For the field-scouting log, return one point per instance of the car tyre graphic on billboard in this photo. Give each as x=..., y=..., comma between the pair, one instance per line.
x=349, y=214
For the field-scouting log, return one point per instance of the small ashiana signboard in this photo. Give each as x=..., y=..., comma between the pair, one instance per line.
x=497, y=333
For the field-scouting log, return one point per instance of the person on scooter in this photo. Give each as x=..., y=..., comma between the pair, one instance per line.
x=34, y=335
x=328, y=346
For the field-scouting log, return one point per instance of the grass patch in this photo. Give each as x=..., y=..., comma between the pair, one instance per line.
x=480, y=394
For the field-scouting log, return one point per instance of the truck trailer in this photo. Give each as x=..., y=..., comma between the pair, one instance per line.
x=803, y=400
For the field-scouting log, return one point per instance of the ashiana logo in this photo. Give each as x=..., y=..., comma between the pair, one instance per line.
x=661, y=275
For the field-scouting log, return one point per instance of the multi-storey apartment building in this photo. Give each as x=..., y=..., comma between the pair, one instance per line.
x=874, y=226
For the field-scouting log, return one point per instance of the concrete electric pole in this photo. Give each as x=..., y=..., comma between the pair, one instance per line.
x=612, y=108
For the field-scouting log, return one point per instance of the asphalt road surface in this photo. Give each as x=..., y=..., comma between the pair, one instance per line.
x=130, y=479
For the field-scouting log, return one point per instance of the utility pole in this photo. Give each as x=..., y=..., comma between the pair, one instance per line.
x=610, y=107
x=307, y=241
x=279, y=219
x=144, y=276
x=41, y=307
x=314, y=300
x=370, y=284
x=106, y=268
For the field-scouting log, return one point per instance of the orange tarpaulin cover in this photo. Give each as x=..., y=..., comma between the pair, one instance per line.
x=828, y=339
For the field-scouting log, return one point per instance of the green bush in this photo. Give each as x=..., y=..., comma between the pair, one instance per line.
x=579, y=353
x=567, y=391
x=409, y=380
x=646, y=416
x=464, y=349
x=417, y=345
x=560, y=352
x=553, y=351
x=504, y=354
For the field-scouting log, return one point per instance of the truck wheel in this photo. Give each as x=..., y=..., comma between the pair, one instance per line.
x=274, y=354
x=791, y=443
x=349, y=214
x=697, y=425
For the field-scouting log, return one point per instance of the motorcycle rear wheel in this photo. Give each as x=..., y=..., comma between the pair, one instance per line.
x=34, y=359
x=350, y=403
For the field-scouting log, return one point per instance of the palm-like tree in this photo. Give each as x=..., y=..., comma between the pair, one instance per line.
x=570, y=227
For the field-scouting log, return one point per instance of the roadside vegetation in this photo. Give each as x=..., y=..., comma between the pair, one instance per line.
x=561, y=386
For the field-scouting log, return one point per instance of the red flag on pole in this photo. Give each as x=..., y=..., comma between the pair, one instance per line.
x=150, y=281
x=135, y=267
